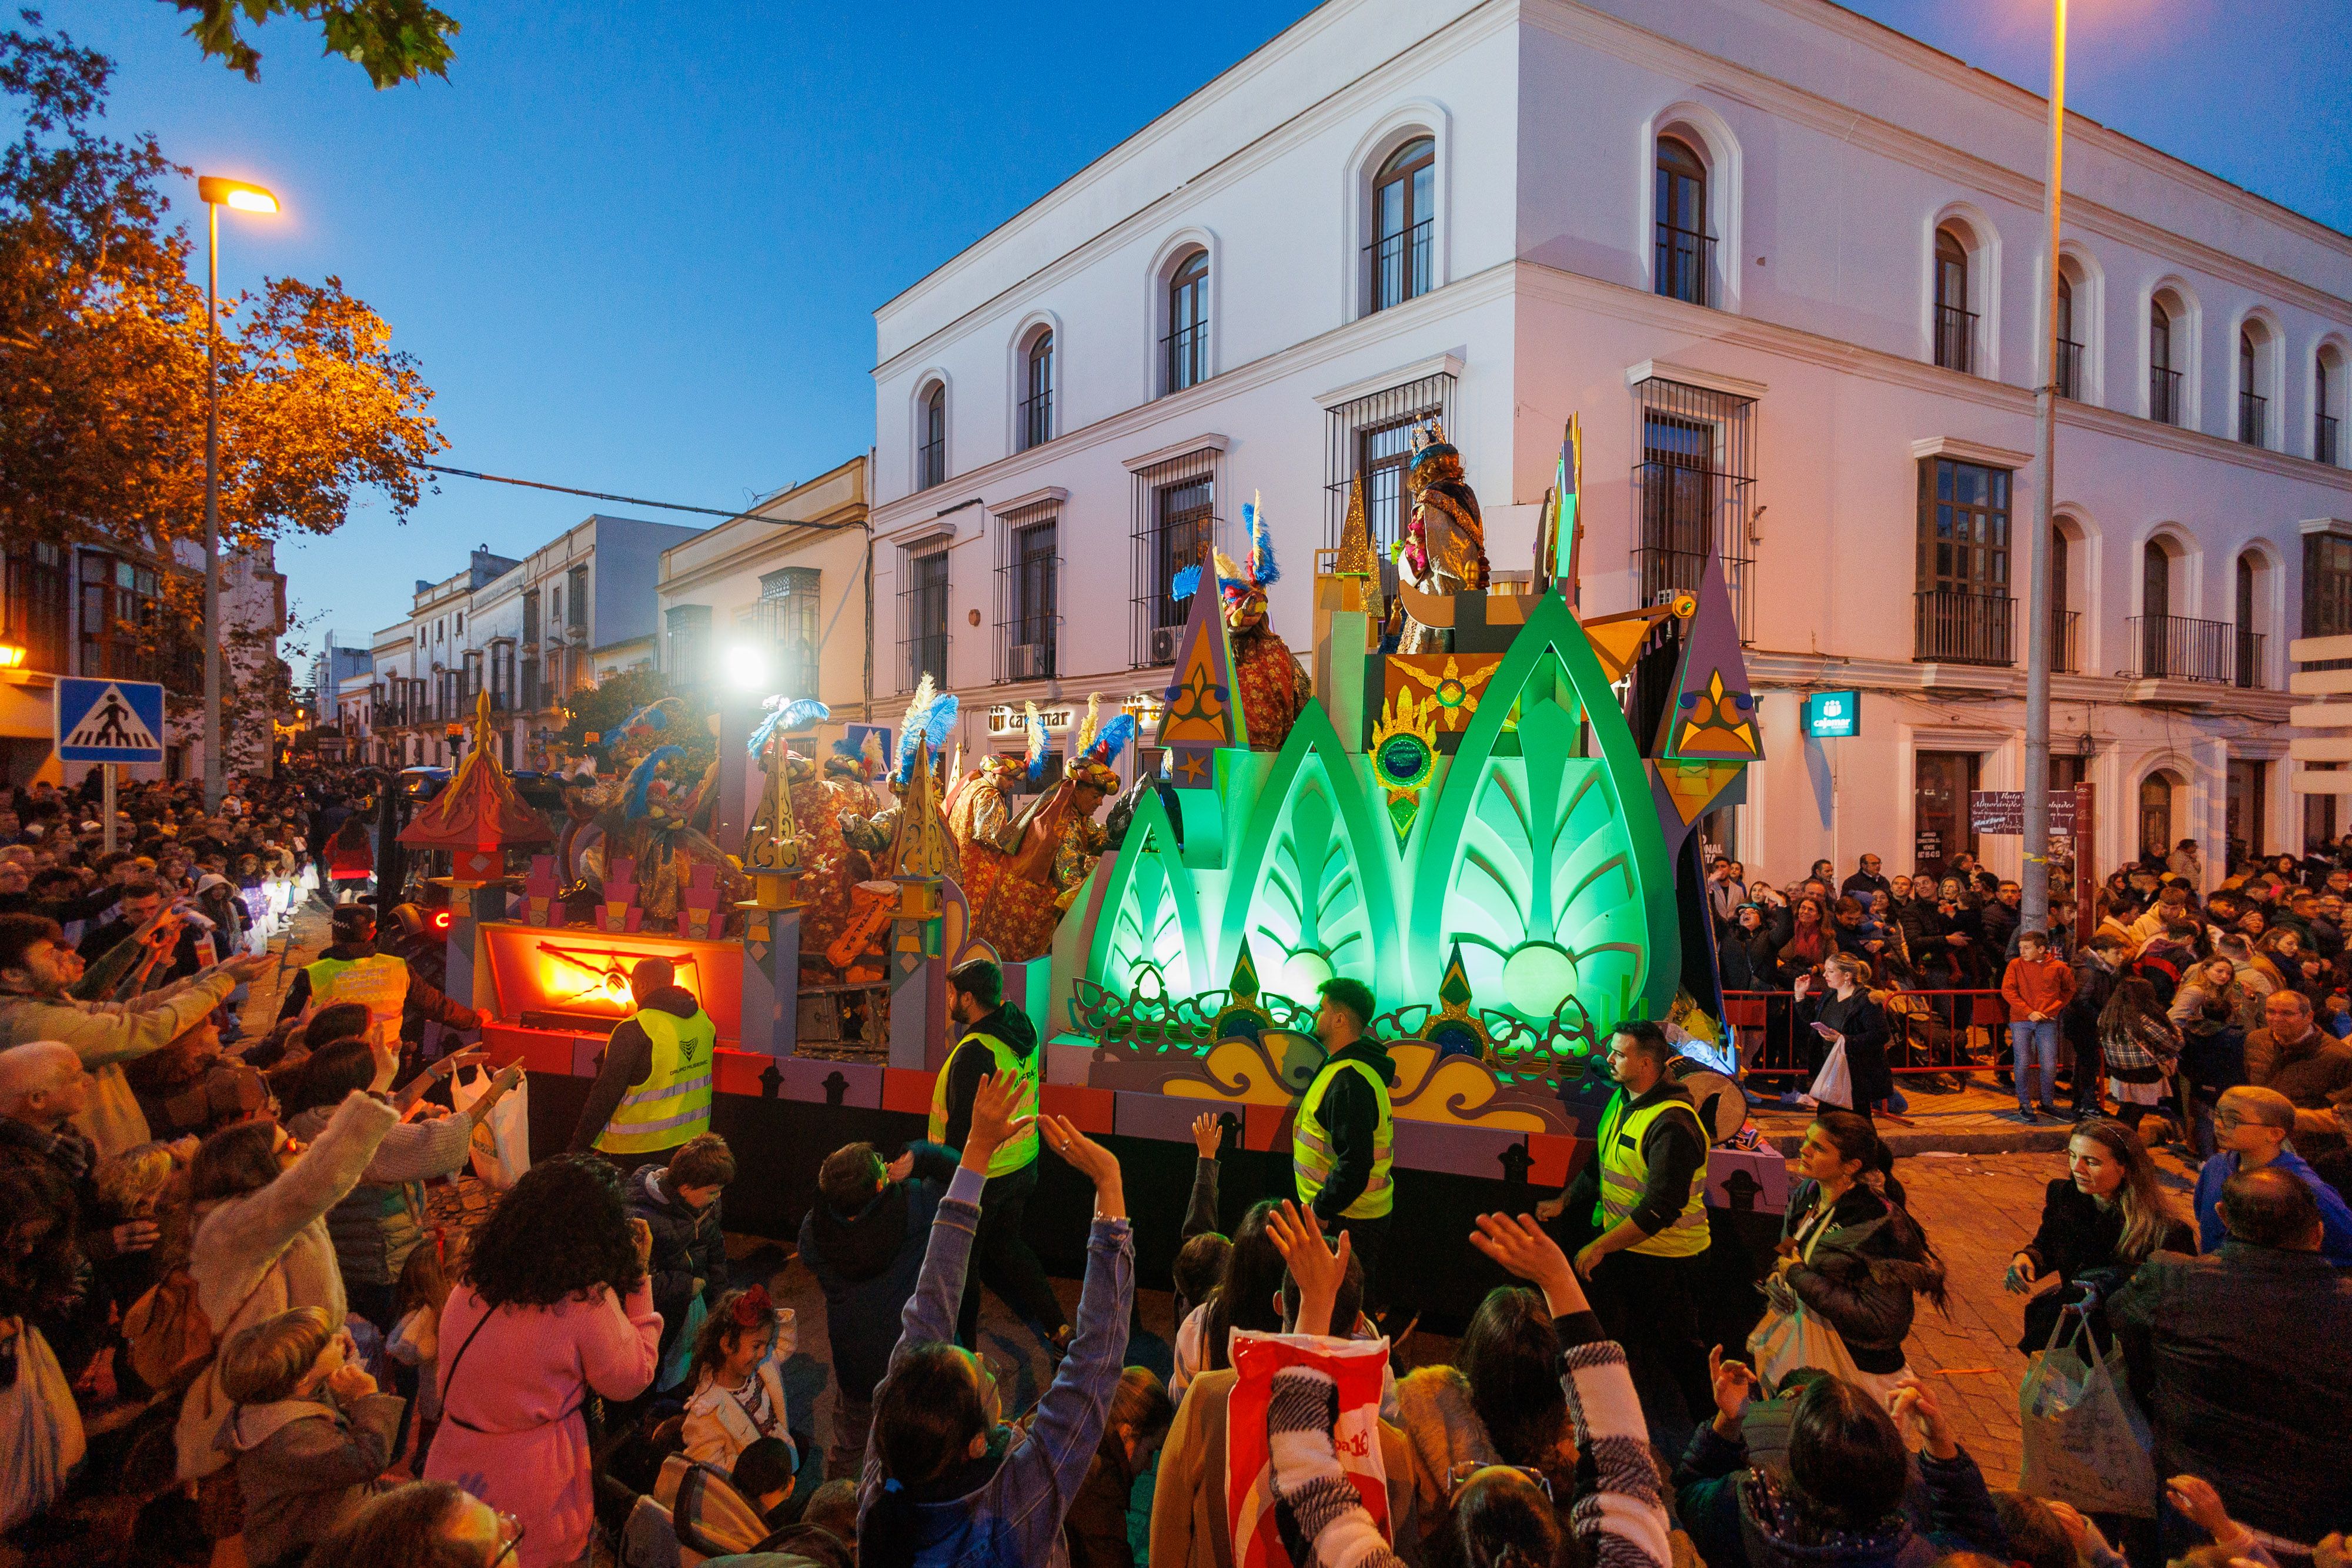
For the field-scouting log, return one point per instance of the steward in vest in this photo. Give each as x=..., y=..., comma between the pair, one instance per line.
x=652, y=1086
x=1645, y=1191
x=352, y=970
x=994, y=1038
x=1341, y=1141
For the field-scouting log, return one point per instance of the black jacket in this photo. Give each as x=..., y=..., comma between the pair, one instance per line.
x=1675, y=1150
x=972, y=1063
x=1865, y=1271
x=2077, y=1241
x=1864, y=1023
x=2243, y=1361
x=689, y=1244
x=628, y=1060
x=2095, y=983
x=1863, y=884
x=1350, y=1113
x=866, y=1263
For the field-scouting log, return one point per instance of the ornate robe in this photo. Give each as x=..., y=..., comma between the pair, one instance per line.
x=1445, y=552
x=1273, y=688
x=1012, y=913
x=819, y=805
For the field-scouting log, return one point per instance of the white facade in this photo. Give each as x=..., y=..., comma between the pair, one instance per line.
x=1797, y=396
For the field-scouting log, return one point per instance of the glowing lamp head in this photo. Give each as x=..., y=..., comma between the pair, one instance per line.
x=1537, y=977
x=245, y=198
x=12, y=656
x=746, y=666
x=1303, y=975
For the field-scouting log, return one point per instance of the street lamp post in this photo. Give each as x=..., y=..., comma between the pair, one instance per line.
x=2035, y=886
x=216, y=193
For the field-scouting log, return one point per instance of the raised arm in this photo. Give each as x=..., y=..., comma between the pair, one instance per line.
x=259, y=1226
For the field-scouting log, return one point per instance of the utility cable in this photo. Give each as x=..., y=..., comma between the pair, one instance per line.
x=631, y=500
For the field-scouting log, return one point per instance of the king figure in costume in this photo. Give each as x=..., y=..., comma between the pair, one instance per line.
x=1444, y=549
x=1274, y=688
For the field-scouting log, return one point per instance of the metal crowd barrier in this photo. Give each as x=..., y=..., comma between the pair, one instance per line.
x=1927, y=1032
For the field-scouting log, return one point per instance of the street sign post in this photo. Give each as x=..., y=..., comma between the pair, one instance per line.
x=107, y=722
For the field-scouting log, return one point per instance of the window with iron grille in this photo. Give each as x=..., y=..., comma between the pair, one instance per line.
x=1955, y=324
x=923, y=612
x=786, y=615
x=931, y=445
x=118, y=617
x=1692, y=489
x=1037, y=392
x=1028, y=609
x=38, y=605
x=578, y=576
x=1185, y=350
x=1685, y=262
x=1175, y=525
x=2327, y=590
x=529, y=619
x=1962, y=605
x=1405, y=208
x=688, y=634
x=530, y=680
x=1373, y=436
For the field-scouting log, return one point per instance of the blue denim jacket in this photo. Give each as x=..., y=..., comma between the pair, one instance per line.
x=1014, y=1518
x=2335, y=1218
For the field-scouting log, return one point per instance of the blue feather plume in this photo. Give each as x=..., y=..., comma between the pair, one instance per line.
x=1110, y=740
x=637, y=793
x=1036, y=745
x=1263, y=571
x=940, y=722
x=787, y=716
x=1184, y=584
x=651, y=716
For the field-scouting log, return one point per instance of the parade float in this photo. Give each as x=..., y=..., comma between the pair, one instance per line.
x=1493, y=833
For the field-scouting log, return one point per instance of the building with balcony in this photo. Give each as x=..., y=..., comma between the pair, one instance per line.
x=777, y=601
x=1783, y=263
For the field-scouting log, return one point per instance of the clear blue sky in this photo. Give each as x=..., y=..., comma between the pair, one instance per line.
x=636, y=248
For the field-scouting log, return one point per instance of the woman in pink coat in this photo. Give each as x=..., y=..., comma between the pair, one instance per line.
x=554, y=1306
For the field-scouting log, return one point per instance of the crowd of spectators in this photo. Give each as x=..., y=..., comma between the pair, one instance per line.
x=221, y=1299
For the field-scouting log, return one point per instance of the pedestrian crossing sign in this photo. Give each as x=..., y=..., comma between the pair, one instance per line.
x=110, y=721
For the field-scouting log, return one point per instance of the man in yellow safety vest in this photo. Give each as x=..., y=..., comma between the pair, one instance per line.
x=652, y=1091
x=352, y=970
x=1342, y=1141
x=993, y=1037
x=1646, y=1190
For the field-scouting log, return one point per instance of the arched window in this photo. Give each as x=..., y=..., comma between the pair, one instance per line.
x=931, y=437
x=1037, y=392
x=2253, y=408
x=2327, y=393
x=1187, y=344
x=1685, y=250
x=2163, y=377
x=2069, y=347
x=2064, y=656
x=2159, y=657
x=1404, y=207
x=2156, y=815
x=1955, y=324
x=2248, y=661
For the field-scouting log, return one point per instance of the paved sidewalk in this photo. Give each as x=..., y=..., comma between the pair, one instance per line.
x=1981, y=1119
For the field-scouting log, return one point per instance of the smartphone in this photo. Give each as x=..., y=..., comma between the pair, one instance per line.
x=1824, y=1029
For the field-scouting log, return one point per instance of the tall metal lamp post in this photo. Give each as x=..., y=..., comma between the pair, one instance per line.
x=2035, y=886
x=216, y=193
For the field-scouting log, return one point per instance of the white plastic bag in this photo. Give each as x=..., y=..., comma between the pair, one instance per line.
x=502, y=1138
x=1833, y=1085
x=40, y=1430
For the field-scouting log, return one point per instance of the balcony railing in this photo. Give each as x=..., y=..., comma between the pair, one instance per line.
x=1185, y=356
x=2070, y=370
x=1400, y=265
x=1954, y=626
x=1956, y=337
x=2065, y=652
x=2179, y=648
x=1685, y=267
x=2163, y=396
x=1037, y=419
x=2322, y=437
x=2253, y=419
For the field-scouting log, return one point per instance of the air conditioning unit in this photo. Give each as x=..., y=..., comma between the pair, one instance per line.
x=1028, y=660
x=1160, y=647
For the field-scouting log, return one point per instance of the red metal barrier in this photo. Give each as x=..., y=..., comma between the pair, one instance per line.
x=1927, y=1032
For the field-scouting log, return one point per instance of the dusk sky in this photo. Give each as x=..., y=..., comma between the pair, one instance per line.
x=637, y=247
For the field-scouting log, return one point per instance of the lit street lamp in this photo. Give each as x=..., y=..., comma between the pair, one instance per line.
x=216, y=193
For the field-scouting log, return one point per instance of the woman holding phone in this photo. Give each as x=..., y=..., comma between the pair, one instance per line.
x=1848, y=1015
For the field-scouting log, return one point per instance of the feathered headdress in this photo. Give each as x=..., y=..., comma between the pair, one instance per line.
x=1236, y=580
x=929, y=719
x=1092, y=766
x=637, y=795
x=783, y=717
x=1086, y=736
x=1433, y=457
x=873, y=756
x=1036, y=743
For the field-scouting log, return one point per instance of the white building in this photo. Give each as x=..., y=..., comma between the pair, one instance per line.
x=777, y=600
x=1783, y=261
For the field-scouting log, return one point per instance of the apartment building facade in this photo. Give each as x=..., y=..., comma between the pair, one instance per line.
x=1783, y=264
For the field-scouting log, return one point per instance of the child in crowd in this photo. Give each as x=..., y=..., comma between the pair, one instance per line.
x=416, y=1337
x=310, y=1432
x=739, y=1391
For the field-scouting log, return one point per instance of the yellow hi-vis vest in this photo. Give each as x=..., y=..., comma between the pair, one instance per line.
x=673, y=1104
x=1014, y=1153
x=379, y=983
x=1624, y=1171
x=1310, y=1144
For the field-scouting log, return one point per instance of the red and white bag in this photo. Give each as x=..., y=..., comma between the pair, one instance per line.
x=1357, y=1366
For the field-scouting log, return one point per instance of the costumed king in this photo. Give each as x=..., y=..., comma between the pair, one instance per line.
x=1445, y=545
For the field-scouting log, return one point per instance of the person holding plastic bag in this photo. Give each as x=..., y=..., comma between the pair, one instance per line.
x=41, y=1437
x=1851, y=1261
x=946, y=1481
x=501, y=1131
x=1845, y=1028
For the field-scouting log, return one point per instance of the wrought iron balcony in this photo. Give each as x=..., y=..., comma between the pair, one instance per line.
x=1955, y=626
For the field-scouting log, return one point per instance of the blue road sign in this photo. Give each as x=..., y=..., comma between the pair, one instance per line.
x=110, y=721
x=856, y=734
